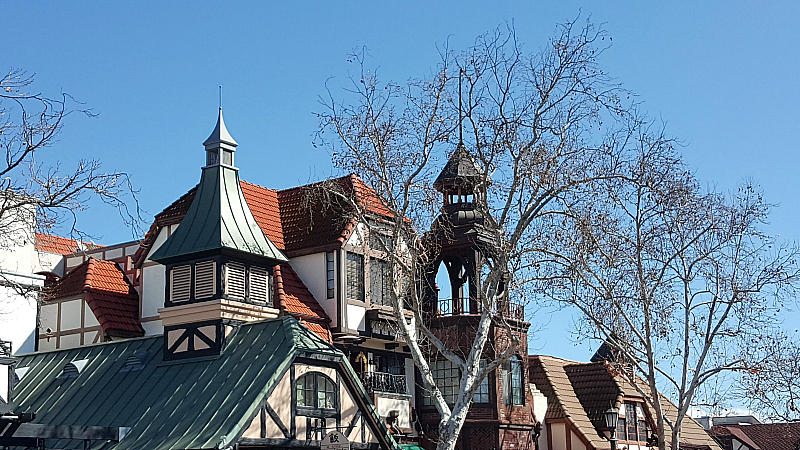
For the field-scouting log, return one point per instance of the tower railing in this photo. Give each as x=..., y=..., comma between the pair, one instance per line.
x=459, y=306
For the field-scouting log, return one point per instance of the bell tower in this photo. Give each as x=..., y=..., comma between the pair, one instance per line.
x=462, y=240
x=460, y=235
x=218, y=261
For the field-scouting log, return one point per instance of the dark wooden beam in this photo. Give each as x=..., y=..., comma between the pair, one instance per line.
x=42, y=431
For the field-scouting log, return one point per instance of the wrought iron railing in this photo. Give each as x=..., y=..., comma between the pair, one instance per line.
x=445, y=307
x=385, y=382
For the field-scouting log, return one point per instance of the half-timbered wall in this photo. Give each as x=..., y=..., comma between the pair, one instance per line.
x=68, y=323
x=274, y=420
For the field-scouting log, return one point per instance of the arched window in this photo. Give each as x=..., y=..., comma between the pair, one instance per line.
x=316, y=395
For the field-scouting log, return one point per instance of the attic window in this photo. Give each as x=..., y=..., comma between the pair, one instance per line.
x=19, y=373
x=259, y=284
x=205, y=279
x=135, y=362
x=180, y=283
x=73, y=369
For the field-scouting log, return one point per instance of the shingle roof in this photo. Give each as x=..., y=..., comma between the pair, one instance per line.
x=764, y=436
x=550, y=376
x=461, y=169
x=111, y=297
x=581, y=392
x=189, y=404
x=56, y=244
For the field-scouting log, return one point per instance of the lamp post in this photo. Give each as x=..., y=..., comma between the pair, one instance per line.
x=612, y=417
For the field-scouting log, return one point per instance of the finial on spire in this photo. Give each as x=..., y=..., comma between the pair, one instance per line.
x=220, y=134
x=220, y=97
x=460, y=113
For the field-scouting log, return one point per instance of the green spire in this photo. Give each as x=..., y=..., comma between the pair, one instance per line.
x=219, y=220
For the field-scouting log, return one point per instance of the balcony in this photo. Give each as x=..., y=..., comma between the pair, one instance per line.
x=459, y=306
x=387, y=383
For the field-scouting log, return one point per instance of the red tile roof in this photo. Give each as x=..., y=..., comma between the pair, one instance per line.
x=323, y=331
x=294, y=298
x=263, y=203
x=60, y=245
x=772, y=436
x=110, y=295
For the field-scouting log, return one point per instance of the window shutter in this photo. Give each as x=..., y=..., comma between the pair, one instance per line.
x=259, y=284
x=180, y=282
x=205, y=279
x=235, y=282
x=355, y=276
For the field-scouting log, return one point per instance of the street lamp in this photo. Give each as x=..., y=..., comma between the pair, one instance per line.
x=612, y=417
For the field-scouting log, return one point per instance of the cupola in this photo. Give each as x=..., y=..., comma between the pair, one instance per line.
x=220, y=146
x=219, y=262
x=459, y=178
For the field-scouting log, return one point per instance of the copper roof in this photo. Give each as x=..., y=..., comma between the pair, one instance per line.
x=293, y=219
x=218, y=220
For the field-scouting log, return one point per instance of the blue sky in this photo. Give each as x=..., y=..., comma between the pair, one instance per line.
x=724, y=79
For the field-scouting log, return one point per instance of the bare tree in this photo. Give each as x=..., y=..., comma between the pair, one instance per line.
x=534, y=127
x=35, y=196
x=679, y=280
x=771, y=386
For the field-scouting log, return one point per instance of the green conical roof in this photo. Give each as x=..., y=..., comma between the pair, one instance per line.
x=219, y=220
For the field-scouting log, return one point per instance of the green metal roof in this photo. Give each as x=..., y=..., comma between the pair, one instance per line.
x=185, y=404
x=218, y=220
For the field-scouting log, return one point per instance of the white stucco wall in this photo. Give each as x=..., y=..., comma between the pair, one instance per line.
x=312, y=269
x=559, y=436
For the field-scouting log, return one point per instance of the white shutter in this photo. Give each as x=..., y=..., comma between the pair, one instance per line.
x=235, y=282
x=180, y=282
x=259, y=284
x=205, y=279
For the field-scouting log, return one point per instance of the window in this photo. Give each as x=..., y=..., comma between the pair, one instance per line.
x=448, y=380
x=482, y=394
x=513, y=387
x=355, y=276
x=331, y=273
x=633, y=426
x=205, y=279
x=379, y=282
x=316, y=395
x=259, y=284
x=180, y=283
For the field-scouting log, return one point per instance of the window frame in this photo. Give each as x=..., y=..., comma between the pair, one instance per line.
x=514, y=390
x=330, y=274
x=315, y=410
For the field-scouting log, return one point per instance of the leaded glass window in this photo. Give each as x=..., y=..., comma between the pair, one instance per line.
x=379, y=282
x=448, y=380
x=482, y=394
